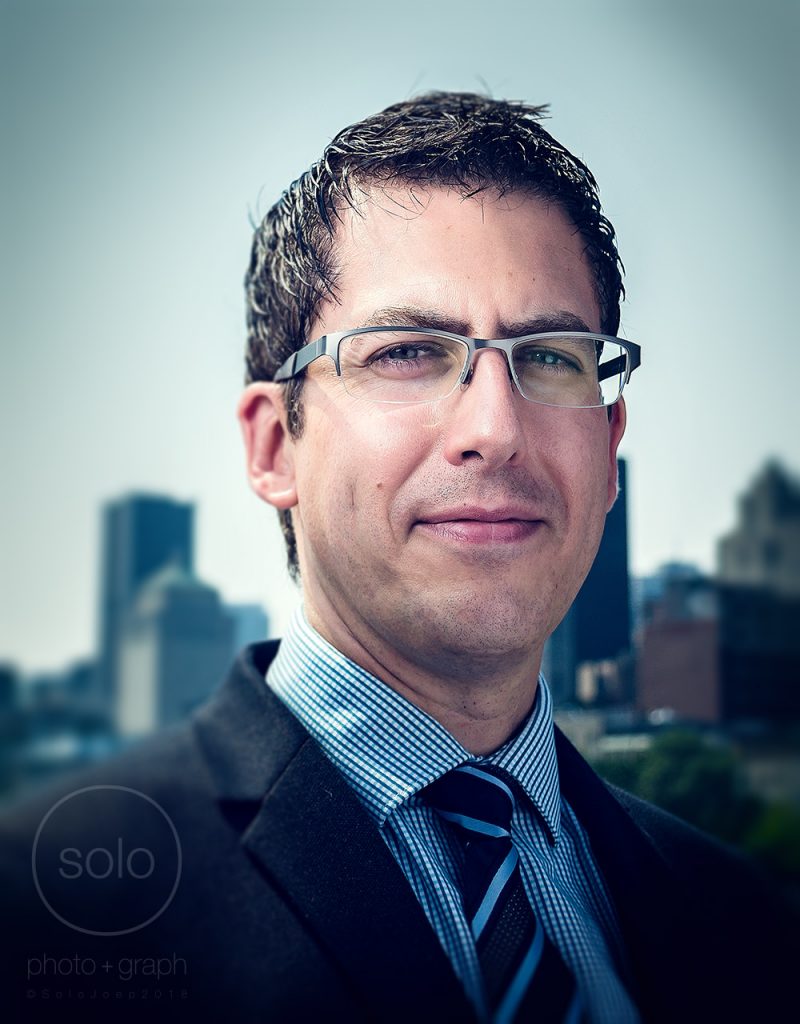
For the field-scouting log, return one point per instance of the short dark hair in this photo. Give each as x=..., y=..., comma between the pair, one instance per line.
x=448, y=139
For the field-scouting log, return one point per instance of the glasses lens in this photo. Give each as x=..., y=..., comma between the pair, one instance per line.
x=400, y=366
x=579, y=371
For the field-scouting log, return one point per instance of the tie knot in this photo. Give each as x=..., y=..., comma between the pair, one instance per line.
x=476, y=799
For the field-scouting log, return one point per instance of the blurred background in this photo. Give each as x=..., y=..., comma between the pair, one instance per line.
x=141, y=138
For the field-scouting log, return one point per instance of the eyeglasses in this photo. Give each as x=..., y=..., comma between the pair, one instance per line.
x=409, y=365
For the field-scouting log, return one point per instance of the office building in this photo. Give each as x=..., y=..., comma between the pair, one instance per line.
x=727, y=651
x=250, y=624
x=140, y=535
x=763, y=549
x=176, y=647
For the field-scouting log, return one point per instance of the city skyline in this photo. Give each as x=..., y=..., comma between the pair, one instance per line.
x=717, y=654
x=141, y=138
x=188, y=557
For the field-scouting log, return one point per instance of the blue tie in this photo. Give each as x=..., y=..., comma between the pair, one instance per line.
x=524, y=974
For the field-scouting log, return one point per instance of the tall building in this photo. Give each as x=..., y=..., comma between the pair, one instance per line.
x=597, y=627
x=759, y=654
x=175, y=648
x=727, y=651
x=758, y=569
x=763, y=549
x=677, y=665
x=672, y=581
x=140, y=535
x=250, y=624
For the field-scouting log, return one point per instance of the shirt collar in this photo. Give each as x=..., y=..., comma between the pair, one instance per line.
x=386, y=747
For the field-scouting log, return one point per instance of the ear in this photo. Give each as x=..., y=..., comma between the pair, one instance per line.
x=268, y=445
x=616, y=428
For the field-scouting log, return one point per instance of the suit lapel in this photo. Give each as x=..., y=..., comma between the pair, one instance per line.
x=322, y=852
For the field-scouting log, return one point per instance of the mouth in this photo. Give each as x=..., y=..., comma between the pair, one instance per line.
x=481, y=525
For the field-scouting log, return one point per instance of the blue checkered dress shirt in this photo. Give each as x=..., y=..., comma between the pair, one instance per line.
x=388, y=750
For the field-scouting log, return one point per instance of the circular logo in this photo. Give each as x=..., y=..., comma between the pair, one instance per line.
x=106, y=860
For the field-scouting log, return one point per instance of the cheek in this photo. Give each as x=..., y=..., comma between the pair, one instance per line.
x=355, y=471
x=579, y=456
x=386, y=445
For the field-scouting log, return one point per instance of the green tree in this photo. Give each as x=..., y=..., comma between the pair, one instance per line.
x=701, y=783
x=704, y=784
x=774, y=839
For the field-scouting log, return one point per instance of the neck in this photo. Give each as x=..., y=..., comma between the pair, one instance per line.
x=481, y=699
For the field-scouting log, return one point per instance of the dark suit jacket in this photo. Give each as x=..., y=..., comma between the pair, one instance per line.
x=291, y=908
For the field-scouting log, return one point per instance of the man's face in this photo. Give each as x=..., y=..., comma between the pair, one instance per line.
x=459, y=530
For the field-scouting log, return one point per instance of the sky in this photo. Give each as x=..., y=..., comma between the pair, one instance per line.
x=140, y=139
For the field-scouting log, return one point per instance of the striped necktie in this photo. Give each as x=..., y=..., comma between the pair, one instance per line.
x=525, y=977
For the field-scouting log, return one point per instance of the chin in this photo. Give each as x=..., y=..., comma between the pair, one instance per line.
x=486, y=627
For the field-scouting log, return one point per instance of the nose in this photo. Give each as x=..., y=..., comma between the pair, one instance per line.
x=484, y=423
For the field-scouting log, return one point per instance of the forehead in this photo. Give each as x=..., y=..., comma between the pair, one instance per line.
x=481, y=261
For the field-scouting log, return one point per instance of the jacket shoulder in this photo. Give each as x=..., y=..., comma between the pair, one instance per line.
x=687, y=849
x=723, y=884
x=635, y=838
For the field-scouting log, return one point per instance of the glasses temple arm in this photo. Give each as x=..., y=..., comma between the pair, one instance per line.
x=612, y=367
x=618, y=365
x=298, y=361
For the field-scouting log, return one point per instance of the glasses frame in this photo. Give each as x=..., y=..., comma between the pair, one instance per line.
x=329, y=344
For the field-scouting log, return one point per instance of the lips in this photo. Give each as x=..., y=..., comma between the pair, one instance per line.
x=474, y=525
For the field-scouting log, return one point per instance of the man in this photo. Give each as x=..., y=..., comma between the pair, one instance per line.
x=377, y=820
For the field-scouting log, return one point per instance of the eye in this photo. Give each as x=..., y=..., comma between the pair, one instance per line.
x=551, y=358
x=401, y=353
x=530, y=357
x=403, y=361
x=408, y=356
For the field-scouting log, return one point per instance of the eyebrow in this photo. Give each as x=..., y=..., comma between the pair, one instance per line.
x=416, y=316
